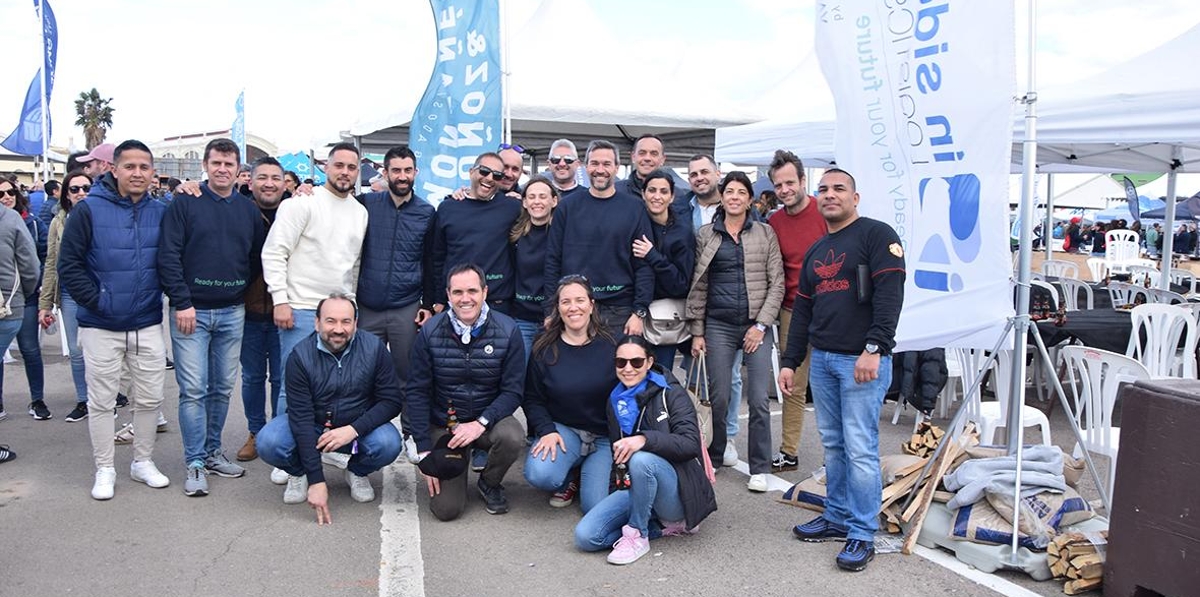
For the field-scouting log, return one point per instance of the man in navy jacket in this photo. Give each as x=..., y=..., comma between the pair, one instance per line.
x=341, y=398
x=108, y=264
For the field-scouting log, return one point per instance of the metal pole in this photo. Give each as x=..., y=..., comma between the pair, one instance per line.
x=505, y=105
x=1016, y=398
x=1164, y=281
x=45, y=101
x=1048, y=231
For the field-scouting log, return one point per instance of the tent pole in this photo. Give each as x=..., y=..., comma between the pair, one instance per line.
x=45, y=95
x=1048, y=227
x=1016, y=396
x=505, y=105
x=1164, y=281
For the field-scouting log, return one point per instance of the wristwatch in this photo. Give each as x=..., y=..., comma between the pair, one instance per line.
x=483, y=421
x=760, y=327
x=871, y=348
x=641, y=313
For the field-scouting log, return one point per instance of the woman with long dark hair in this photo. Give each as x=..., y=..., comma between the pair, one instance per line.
x=672, y=256
x=27, y=338
x=566, y=392
x=19, y=277
x=74, y=189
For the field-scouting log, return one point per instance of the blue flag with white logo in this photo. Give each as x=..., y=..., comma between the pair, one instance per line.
x=459, y=116
x=26, y=138
x=238, y=130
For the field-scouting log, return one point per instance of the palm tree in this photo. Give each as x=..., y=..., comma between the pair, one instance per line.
x=95, y=116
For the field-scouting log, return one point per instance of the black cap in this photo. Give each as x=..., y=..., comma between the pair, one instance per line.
x=443, y=461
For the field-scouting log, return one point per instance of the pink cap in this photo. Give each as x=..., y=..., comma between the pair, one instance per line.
x=102, y=152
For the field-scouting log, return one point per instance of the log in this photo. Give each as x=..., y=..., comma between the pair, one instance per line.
x=1075, y=587
x=949, y=453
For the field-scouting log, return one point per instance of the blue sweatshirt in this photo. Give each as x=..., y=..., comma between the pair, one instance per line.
x=673, y=257
x=474, y=231
x=529, y=257
x=206, y=247
x=594, y=237
x=572, y=389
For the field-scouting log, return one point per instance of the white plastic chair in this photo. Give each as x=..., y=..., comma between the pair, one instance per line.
x=1160, y=352
x=1120, y=236
x=1098, y=267
x=1139, y=273
x=1096, y=377
x=1059, y=268
x=994, y=415
x=1120, y=254
x=1166, y=297
x=1123, y=293
x=1071, y=288
x=1183, y=277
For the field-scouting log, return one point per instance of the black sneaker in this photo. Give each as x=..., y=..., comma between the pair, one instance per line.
x=493, y=498
x=170, y=364
x=80, y=413
x=855, y=555
x=39, y=412
x=783, y=462
x=818, y=530
x=122, y=400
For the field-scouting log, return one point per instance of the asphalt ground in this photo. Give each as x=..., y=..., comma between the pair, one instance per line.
x=242, y=540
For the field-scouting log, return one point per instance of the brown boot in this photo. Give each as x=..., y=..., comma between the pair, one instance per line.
x=248, y=450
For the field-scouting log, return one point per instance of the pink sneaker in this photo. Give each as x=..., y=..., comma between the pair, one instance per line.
x=631, y=546
x=677, y=528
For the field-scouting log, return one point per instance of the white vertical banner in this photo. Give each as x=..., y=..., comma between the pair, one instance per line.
x=924, y=94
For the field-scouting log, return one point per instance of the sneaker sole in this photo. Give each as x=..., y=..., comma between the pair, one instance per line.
x=560, y=503
x=213, y=471
x=785, y=468
x=74, y=420
x=148, y=484
x=855, y=567
x=39, y=418
x=496, y=511
x=840, y=539
x=195, y=493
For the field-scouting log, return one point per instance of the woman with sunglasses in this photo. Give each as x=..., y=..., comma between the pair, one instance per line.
x=671, y=253
x=19, y=276
x=528, y=238
x=736, y=293
x=566, y=389
x=75, y=188
x=655, y=436
x=27, y=338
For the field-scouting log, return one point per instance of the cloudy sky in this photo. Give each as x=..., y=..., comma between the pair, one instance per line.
x=312, y=68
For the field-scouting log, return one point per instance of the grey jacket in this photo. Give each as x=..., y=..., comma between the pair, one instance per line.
x=17, y=256
x=763, y=266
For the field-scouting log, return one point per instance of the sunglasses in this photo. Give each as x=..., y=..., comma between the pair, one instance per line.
x=495, y=174
x=516, y=148
x=79, y=188
x=562, y=159
x=9, y=192
x=637, y=362
x=573, y=279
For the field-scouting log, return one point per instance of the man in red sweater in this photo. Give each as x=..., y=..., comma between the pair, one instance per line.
x=798, y=225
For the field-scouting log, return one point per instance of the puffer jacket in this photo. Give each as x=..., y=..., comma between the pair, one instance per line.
x=108, y=259
x=358, y=388
x=51, y=294
x=485, y=377
x=393, y=250
x=918, y=377
x=667, y=420
x=763, y=271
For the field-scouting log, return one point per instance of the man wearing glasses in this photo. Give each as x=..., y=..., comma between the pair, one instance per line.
x=475, y=230
x=562, y=165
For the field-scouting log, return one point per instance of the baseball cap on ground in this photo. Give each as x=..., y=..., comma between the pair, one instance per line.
x=444, y=462
x=102, y=152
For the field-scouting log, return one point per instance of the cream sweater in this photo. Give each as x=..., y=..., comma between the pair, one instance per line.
x=313, y=248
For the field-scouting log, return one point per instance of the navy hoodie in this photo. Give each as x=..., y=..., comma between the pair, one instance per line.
x=474, y=231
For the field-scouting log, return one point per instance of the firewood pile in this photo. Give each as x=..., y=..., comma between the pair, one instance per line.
x=1075, y=556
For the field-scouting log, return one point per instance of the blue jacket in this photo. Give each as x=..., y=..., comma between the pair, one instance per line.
x=392, y=272
x=358, y=387
x=38, y=232
x=485, y=377
x=108, y=259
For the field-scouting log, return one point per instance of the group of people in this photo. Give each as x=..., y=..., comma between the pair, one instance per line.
x=569, y=302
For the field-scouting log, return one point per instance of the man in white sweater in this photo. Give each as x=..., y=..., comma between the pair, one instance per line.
x=313, y=251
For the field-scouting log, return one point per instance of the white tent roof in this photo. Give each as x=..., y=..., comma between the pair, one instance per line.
x=1128, y=119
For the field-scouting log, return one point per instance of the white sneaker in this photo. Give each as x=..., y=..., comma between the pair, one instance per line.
x=757, y=483
x=279, y=476
x=410, y=450
x=731, y=456
x=297, y=490
x=360, y=488
x=144, y=471
x=106, y=478
x=335, y=459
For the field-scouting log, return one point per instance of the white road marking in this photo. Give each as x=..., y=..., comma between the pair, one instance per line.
x=401, y=568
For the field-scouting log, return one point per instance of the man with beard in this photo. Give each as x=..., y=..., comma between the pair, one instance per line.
x=260, y=337
x=391, y=280
x=475, y=230
x=313, y=250
x=342, y=395
x=205, y=251
x=514, y=164
x=591, y=235
x=562, y=164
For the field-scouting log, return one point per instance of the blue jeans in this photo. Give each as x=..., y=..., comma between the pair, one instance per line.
x=305, y=322
x=277, y=447
x=8, y=331
x=31, y=353
x=260, y=362
x=848, y=419
x=595, y=470
x=652, y=496
x=206, y=369
x=529, y=329
x=735, y=390
x=70, y=322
